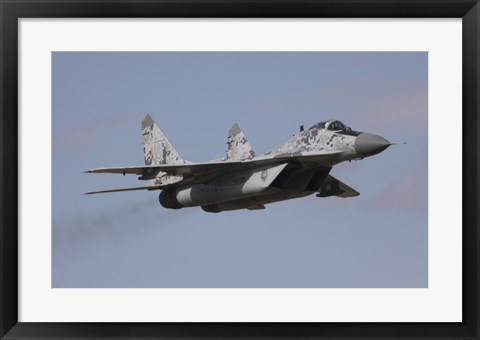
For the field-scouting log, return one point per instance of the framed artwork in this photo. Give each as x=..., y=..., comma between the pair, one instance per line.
x=363, y=224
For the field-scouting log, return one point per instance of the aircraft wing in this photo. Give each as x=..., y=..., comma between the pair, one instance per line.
x=313, y=159
x=333, y=187
x=204, y=172
x=170, y=169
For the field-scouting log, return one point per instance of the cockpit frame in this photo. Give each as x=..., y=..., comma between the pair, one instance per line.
x=331, y=125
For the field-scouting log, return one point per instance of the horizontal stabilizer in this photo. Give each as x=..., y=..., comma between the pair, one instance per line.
x=150, y=187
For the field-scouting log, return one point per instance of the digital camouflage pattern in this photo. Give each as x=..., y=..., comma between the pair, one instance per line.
x=297, y=168
x=239, y=148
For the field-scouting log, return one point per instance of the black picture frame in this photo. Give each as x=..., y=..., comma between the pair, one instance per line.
x=11, y=11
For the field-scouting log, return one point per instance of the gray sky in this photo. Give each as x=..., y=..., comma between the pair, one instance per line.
x=378, y=239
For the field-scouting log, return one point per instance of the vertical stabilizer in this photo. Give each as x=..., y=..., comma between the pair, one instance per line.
x=156, y=147
x=238, y=146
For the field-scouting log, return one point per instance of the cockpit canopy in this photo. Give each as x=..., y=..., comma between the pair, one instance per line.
x=332, y=125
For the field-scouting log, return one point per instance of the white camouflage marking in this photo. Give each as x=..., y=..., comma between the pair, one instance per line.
x=164, y=179
x=239, y=148
x=157, y=150
x=315, y=140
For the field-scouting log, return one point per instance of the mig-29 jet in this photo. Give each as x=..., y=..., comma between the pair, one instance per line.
x=297, y=168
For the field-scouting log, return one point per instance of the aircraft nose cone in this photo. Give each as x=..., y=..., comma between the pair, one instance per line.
x=367, y=144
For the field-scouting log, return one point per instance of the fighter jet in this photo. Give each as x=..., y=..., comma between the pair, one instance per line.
x=241, y=180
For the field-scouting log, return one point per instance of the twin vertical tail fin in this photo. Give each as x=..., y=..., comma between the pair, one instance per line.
x=157, y=149
x=239, y=148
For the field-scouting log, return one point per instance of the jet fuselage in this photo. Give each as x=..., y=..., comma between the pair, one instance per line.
x=297, y=168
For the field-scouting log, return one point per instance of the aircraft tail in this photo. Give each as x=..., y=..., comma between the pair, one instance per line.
x=239, y=148
x=157, y=149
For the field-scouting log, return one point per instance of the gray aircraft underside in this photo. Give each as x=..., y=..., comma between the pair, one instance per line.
x=297, y=168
